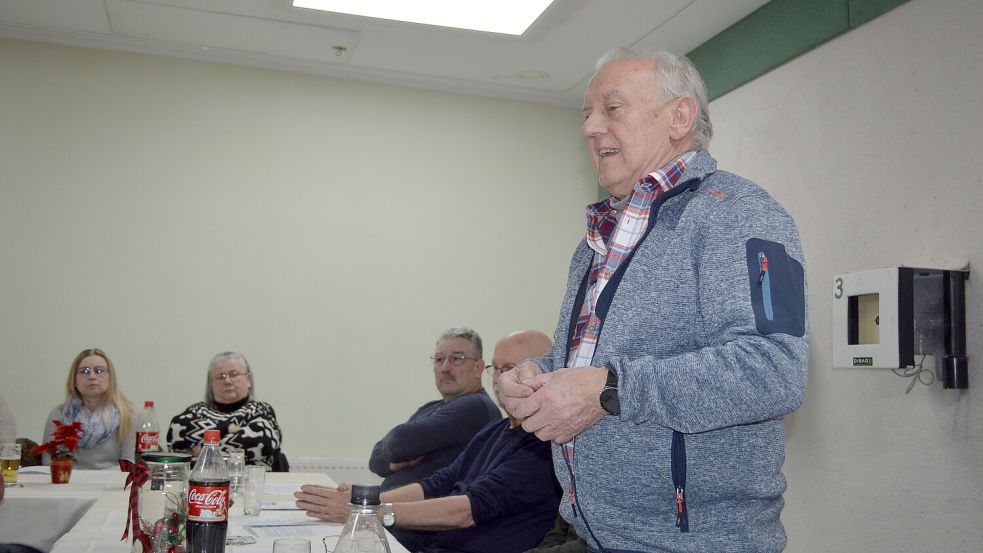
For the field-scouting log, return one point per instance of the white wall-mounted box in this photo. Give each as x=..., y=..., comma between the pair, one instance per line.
x=883, y=318
x=867, y=323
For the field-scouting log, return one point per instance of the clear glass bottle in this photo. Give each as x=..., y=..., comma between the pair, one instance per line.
x=363, y=533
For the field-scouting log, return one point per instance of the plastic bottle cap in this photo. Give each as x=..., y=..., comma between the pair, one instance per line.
x=364, y=494
x=148, y=404
x=212, y=436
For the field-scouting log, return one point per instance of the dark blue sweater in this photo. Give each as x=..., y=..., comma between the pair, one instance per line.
x=508, y=476
x=439, y=431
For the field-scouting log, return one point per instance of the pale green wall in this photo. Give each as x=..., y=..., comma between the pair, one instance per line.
x=871, y=141
x=165, y=210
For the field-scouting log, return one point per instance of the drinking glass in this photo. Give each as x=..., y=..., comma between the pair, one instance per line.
x=236, y=460
x=10, y=463
x=252, y=489
x=291, y=545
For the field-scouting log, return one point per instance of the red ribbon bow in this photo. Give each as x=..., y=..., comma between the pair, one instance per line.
x=138, y=474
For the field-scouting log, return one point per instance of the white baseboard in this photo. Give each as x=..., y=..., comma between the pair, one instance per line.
x=340, y=470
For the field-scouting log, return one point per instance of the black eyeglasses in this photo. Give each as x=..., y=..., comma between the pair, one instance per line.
x=493, y=370
x=324, y=540
x=86, y=371
x=455, y=359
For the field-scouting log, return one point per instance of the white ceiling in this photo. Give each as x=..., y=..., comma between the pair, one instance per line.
x=563, y=43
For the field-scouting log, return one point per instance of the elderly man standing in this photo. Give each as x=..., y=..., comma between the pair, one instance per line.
x=498, y=496
x=440, y=429
x=682, y=337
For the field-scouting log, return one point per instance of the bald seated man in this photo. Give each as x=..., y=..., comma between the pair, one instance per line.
x=498, y=496
x=514, y=349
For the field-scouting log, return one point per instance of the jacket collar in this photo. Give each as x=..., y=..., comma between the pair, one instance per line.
x=698, y=168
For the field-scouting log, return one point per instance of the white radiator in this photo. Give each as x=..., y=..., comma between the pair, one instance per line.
x=355, y=471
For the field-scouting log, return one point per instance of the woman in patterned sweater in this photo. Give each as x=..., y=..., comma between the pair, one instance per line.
x=229, y=407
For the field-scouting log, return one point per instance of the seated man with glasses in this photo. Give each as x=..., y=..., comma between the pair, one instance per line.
x=498, y=496
x=231, y=408
x=440, y=429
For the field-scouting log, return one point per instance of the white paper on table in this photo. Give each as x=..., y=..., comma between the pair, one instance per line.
x=279, y=505
x=305, y=531
x=36, y=469
x=302, y=520
x=282, y=497
x=280, y=488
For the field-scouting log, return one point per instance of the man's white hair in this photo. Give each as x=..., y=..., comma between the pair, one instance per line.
x=677, y=77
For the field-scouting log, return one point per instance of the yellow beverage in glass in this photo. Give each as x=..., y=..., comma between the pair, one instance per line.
x=9, y=468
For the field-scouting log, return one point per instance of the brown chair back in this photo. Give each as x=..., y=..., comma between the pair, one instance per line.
x=28, y=459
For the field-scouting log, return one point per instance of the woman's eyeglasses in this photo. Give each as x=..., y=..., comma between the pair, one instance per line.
x=231, y=375
x=86, y=371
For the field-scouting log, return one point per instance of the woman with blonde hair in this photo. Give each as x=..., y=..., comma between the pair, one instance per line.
x=108, y=420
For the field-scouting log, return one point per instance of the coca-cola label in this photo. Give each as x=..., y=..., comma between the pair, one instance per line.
x=148, y=441
x=208, y=503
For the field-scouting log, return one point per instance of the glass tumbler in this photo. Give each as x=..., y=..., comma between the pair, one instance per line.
x=252, y=489
x=291, y=545
x=10, y=463
x=235, y=459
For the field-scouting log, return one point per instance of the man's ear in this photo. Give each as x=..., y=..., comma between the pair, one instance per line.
x=683, y=117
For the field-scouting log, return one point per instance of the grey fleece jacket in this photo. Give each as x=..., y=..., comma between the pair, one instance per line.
x=705, y=342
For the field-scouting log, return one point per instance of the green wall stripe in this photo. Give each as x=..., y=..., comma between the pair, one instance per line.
x=862, y=11
x=775, y=33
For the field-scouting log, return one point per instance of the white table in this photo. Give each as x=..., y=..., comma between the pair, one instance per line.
x=99, y=530
x=37, y=512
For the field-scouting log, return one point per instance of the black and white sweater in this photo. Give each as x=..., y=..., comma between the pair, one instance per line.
x=249, y=425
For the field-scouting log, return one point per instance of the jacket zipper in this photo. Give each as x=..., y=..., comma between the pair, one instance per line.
x=679, y=479
x=764, y=280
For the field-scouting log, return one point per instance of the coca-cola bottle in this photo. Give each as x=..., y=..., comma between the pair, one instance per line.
x=208, y=499
x=148, y=432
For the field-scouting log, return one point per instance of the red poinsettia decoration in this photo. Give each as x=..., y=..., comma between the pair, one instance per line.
x=64, y=441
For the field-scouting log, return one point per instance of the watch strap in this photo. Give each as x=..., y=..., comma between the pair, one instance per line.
x=609, y=399
x=612, y=381
x=388, y=515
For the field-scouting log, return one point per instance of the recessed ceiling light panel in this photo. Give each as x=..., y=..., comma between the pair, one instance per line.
x=510, y=17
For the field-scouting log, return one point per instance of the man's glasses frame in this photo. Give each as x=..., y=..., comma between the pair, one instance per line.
x=492, y=370
x=455, y=359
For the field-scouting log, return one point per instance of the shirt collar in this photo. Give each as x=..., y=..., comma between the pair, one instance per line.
x=602, y=216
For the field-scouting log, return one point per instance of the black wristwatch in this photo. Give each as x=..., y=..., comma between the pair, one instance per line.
x=609, y=395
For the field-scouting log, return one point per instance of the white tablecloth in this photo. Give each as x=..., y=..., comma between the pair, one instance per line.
x=99, y=530
x=38, y=512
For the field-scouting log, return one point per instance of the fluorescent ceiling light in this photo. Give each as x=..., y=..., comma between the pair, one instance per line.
x=511, y=17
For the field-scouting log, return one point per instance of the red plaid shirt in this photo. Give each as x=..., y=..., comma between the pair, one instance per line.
x=613, y=239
